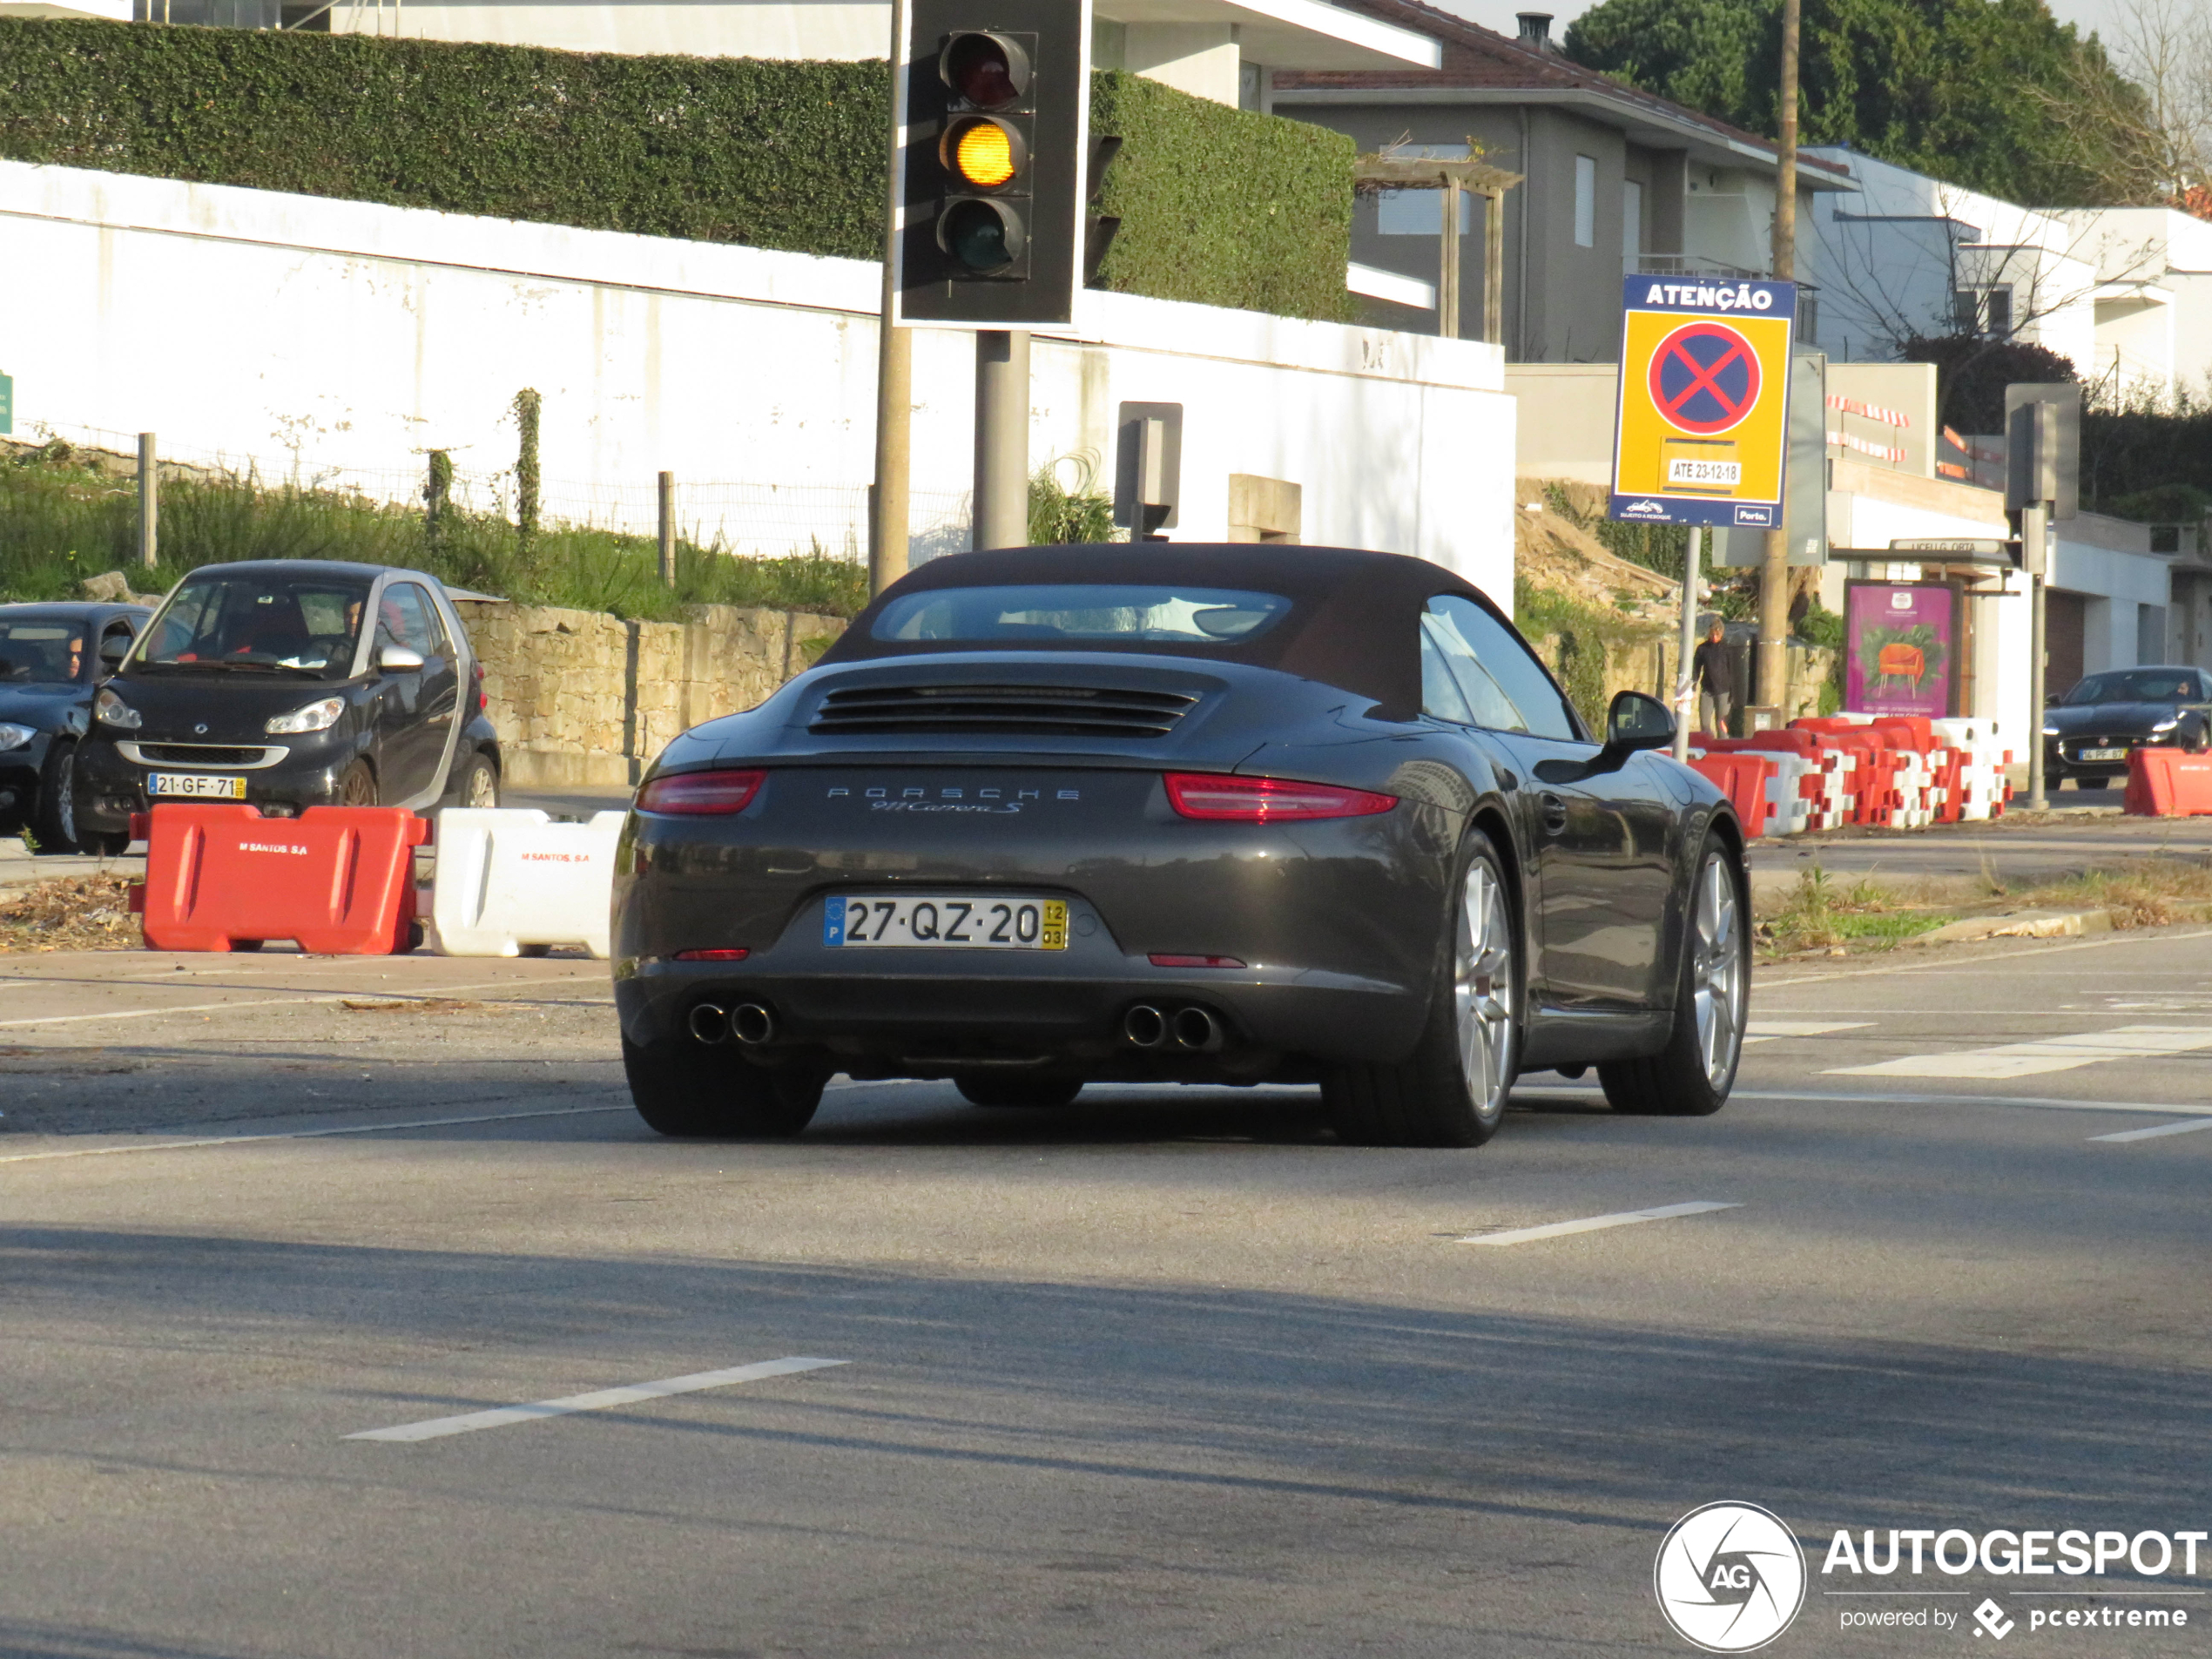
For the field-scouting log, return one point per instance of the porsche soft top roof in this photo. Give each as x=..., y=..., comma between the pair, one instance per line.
x=1354, y=616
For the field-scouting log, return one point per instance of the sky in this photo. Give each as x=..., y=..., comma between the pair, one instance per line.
x=2084, y=15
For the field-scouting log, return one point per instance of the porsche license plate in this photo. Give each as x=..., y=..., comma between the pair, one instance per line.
x=2104, y=754
x=196, y=786
x=947, y=923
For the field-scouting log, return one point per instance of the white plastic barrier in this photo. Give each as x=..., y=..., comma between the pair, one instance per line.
x=1786, y=793
x=511, y=881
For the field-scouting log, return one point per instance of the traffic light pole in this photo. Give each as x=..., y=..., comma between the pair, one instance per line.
x=1001, y=503
x=888, y=514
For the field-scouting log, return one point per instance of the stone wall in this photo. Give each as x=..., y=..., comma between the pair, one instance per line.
x=582, y=700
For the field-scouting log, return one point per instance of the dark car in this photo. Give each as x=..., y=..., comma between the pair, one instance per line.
x=2087, y=733
x=290, y=684
x=52, y=659
x=1208, y=814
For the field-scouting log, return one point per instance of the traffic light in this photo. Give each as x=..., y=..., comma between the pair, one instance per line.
x=996, y=104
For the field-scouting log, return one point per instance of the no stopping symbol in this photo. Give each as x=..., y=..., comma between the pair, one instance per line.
x=1704, y=378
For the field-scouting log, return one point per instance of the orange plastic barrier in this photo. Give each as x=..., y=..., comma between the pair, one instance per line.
x=338, y=880
x=2167, y=783
x=1741, y=777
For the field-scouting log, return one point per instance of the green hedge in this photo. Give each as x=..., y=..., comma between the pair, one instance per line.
x=1218, y=205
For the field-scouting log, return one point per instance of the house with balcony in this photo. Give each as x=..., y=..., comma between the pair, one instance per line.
x=1612, y=181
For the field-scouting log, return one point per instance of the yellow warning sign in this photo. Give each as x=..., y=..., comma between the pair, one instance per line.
x=1702, y=432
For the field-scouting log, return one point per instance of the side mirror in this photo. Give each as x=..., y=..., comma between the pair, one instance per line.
x=1636, y=722
x=398, y=659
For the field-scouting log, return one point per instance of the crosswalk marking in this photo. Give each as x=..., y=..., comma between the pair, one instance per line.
x=2047, y=1054
x=1767, y=1030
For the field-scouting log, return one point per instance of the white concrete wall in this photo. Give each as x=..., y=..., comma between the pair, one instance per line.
x=2110, y=559
x=342, y=340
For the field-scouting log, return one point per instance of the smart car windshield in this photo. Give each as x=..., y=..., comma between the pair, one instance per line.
x=41, y=651
x=272, y=623
x=1081, y=612
x=2135, y=686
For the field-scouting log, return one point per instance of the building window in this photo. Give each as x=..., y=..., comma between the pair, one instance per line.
x=1631, y=219
x=1983, y=311
x=1585, y=201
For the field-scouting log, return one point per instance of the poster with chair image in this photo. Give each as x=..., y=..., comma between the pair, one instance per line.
x=1901, y=644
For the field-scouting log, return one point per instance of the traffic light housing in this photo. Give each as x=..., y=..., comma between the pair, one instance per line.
x=992, y=170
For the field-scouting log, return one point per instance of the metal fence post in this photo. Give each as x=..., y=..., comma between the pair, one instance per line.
x=148, y=503
x=668, y=529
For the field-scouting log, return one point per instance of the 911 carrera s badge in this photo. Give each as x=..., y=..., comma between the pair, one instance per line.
x=950, y=798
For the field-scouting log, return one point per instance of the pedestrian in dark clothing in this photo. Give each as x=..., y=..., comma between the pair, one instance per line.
x=1713, y=672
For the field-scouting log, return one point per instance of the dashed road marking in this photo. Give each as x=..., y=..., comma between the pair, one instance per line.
x=1767, y=1030
x=2157, y=1129
x=598, y=1399
x=307, y=1134
x=2046, y=1054
x=1596, y=1223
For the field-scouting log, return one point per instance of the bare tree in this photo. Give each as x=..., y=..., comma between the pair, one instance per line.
x=2164, y=49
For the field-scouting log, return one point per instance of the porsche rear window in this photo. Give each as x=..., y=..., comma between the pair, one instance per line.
x=1077, y=612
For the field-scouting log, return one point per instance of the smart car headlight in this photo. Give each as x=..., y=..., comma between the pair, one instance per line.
x=14, y=737
x=110, y=710
x=316, y=717
x=2168, y=723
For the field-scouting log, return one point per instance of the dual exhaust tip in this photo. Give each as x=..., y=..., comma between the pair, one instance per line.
x=1193, y=1030
x=748, y=1023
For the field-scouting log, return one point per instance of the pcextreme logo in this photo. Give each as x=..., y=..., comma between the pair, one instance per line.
x=1730, y=1577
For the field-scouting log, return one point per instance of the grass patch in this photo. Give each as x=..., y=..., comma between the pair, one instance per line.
x=1822, y=913
x=63, y=519
x=2143, y=893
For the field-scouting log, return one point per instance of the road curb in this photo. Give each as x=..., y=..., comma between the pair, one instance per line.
x=2021, y=924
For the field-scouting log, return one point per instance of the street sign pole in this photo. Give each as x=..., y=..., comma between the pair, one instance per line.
x=1693, y=563
x=887, y=509
x=1002, y=500
x=2036, y=530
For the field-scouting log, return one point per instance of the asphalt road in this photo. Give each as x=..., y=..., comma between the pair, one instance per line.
x=1166, y=1372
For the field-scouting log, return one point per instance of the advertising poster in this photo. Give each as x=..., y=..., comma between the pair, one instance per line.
x=1900, y=648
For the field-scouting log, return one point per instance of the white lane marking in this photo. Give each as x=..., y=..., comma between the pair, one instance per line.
x=1838, y=1098
x=308, y=1134
x=2157, y=1129
x=2130, y=937
x=271, y=1002
x=2049, y=1054
x=1595, y=1224
x=1767, y=1030
x=598, y=1401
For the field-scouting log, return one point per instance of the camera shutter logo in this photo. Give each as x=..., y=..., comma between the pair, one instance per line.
x=1730, y=1577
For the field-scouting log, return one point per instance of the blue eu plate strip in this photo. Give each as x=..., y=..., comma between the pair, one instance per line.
x=833, y=921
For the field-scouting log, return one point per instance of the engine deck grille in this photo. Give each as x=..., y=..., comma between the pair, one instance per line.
x=1034, y=710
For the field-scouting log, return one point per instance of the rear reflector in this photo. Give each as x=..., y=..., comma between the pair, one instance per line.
x=1169, y=959
x=711, y=955
x=699, y=792
x=1267, y=800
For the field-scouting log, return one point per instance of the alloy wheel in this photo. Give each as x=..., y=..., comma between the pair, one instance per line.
x=1482, y=986
x=484, y=788
x=1716, y=976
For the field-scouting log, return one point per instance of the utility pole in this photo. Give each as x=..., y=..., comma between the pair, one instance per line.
x=2035, y=554
x=893, y=357
x=666, y=506
x=148, y=503
x=1001, y=505
x=1685, y=694
x=1774, y=571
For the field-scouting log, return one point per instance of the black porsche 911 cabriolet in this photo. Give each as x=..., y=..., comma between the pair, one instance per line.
x=1175, y=812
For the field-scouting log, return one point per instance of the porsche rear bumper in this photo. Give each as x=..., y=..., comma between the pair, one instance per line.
x=1338, y=923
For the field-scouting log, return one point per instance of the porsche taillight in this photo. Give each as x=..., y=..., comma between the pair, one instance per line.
x=1267, y=800
x=701, y=793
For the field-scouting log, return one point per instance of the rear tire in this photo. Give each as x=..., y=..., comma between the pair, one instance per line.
x=1041, y=1093
x=687, y=1089
x=1451, y=1090
x=1690, y=1077
x=476, y=788
x=54, y=824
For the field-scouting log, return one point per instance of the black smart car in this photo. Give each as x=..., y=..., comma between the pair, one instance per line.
x=2087, y=733
x=52, y=659
x=290, y=684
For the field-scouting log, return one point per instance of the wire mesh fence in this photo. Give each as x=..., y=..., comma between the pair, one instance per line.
x=741, y=518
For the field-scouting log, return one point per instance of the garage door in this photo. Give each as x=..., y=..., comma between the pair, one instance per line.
x=2062, y=620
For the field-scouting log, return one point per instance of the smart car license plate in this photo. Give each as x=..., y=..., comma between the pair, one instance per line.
x=947, y=923
x=2104, y=754
x=196, y=786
